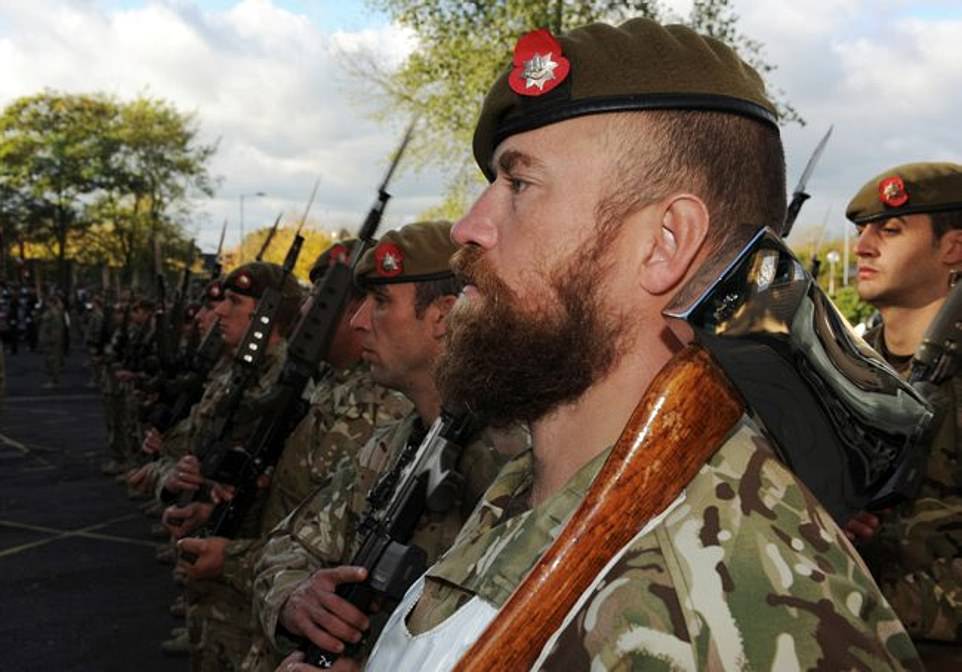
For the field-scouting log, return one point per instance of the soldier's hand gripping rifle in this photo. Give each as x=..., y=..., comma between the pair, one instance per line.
x=307, y=346
x=424, y=479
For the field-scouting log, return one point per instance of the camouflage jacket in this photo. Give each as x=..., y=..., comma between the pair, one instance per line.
x=746, y=571
x=345, y=407
x=916, y=556
x=321, y=531
x=51, y=325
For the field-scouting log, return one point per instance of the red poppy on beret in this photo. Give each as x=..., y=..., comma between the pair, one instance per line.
x=389, y=260
x=538, y=64
x=891, y=192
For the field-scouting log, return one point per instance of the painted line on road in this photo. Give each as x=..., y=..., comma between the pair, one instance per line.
x=10, y=443
x=84, y=532
x=65, y=397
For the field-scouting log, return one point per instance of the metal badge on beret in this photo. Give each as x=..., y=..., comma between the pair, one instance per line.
x=215, y=292
x=338, y=254
x=539, y=65
x=244, y=281
x=892, y=192
x=389, y=260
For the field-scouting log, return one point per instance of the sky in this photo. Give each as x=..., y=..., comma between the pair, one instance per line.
x=265, y=79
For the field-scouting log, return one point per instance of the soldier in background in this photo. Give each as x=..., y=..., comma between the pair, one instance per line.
x=400, y=325
x=93, y=331
x=909, y=222
x=345, y=407
x=51, y=339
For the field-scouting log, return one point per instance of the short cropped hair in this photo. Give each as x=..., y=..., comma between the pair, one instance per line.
x=943, y=222
x=429, y=291
x=735, y=164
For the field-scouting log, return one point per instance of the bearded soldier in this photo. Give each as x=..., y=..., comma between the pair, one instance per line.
x=624, y=162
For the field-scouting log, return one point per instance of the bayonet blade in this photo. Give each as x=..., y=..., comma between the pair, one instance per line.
x=810, y=166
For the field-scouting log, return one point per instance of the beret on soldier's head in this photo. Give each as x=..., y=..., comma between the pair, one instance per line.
x=339, y=252
x=640, y=65
x=254, y=278
x=912, y=188
x=213, y=292
x=413, y=253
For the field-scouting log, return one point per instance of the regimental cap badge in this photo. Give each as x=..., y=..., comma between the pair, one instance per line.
x=244, y=281
x=538, y=64
x=389, y=260
x=215, y=292
x=891, y=192
x=339, y=254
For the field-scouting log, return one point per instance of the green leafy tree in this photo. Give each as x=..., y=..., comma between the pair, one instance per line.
x=96, y=177
x=463, y=46
x=53, y=154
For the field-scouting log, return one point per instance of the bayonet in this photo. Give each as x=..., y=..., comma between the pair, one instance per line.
x=799, y=196
x=270, y=237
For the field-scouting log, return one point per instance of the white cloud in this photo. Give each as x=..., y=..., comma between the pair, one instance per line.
x=270, y=84
x=262, y=80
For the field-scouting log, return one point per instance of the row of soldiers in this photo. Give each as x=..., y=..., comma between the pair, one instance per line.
x=626, y=163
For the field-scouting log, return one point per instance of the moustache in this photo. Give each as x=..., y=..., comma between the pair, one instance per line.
x=471, y=268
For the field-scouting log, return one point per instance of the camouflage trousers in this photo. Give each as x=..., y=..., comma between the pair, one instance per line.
x=54, y=362
x=219, y=626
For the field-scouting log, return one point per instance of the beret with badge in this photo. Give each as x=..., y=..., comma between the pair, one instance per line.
x=414, y=253
x=640, y=65
x=339, y=252
x=912, y=188
x=254, y=278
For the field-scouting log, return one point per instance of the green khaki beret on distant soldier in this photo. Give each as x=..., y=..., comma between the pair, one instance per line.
x=414, y=253
x=213, y=293
x=339, y=252
x=254, y=278
x=912, y=188
x=639, y=65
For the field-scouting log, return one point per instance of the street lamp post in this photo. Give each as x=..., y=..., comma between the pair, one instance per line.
x=240, y=251
x=833, y=259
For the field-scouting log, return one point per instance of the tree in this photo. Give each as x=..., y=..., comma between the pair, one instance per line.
x=99, y=176
x=52, y=153
x=315, y=242
x=463, y=46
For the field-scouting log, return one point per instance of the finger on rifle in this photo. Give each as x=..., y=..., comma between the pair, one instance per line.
x=333, y=625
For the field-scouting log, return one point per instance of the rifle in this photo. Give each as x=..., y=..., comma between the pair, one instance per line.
x=270, y=237
x=307, y=346
x=799, y=196
x=424, y=479
x=937, y=358
x=106, y=322
x=217, y=270
x=176, y=322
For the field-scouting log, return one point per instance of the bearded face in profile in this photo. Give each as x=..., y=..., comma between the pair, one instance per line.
x=512, y=357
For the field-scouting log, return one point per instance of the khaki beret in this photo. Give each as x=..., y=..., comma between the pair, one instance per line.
x=912, y=188
x=598, y=68
x=254, y=278
x=213, y=292
x=339, y=252
x=413, y=253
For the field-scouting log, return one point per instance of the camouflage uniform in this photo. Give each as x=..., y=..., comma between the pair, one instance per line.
x=321, y=531
x=51, y=337
x=345, y=408
x=916, y=554
x=217, y=615
x=92, y=331
x=744, y=571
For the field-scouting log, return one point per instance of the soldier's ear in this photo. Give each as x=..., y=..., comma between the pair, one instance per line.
x=950, y=248
x=437, y=313
x=680, y=230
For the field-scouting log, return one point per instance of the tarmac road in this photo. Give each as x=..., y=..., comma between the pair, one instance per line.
x=80, y=588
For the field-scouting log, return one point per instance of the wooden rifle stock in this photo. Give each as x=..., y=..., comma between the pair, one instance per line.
x=683, y=418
